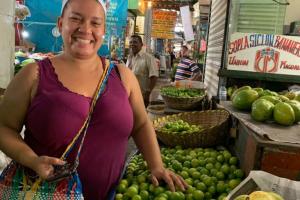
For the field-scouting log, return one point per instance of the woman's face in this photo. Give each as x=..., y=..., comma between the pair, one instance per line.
x=82, y=27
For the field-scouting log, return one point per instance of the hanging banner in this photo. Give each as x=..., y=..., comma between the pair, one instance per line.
x=163, y=24
x=116, y=22
x=264, y=53
x=186, y=18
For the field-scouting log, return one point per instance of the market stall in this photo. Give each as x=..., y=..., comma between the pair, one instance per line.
x=265, y=146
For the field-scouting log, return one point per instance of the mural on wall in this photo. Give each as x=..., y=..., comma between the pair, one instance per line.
x=43, y=19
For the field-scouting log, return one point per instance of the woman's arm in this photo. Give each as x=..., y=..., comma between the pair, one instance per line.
x=13, y=109
x=144, y=135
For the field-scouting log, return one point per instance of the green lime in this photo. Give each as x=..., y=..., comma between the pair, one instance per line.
x=233, y=183
x=187, y=164
x=158, y=190
x=119, y=196
x=175, y=196
x=220, y=175
x=141, y=178
x=144, y=186
x=225, y=169
x=132, y=191
x=238, y=173
x=196, y=175
x=144, y=194
x=220, y=158
x=121, y=188
x=213, y=172
x=195, y=162
x=184, y=174
x=208, y=181
x=124, y=182
x=208, y=195
x=201, y=186
x=233, y=160
x=189, y=181
x=212, y=190
x=221, y=187
x=190, y=189
x=189, y=197
x=198, y=195
x=136, y=197
x=209, y=166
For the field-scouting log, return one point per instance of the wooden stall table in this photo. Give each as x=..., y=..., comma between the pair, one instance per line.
x=265, y=146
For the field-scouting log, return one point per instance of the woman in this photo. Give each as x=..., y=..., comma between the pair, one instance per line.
x=52, y=99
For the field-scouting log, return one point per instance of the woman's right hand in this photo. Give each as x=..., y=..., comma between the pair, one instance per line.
x=43, y=165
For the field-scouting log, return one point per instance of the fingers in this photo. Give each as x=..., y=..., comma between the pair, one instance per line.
x=154, y=181
x=183, y=182
x=168, y=179
x=179, y=181
x=54, y=161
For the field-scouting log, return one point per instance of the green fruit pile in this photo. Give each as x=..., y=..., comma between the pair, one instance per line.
x=267, y=105
x=181, y=92
x=180, y=127
x=210, y=174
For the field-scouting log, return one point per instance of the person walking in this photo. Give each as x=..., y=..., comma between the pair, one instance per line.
x=144, y=67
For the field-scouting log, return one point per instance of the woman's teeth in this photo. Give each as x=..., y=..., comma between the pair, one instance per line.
x=83, y=41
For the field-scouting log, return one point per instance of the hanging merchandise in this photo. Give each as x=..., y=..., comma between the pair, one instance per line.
x=21, y=11
x=187, y=23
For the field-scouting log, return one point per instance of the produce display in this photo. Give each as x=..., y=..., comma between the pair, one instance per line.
x=182, y=92
x=267, y=105
x=260, y=195
x=210, y=174
x=180, y=127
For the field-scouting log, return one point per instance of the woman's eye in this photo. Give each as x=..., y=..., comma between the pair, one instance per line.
x=76, y=19
x=96, y=24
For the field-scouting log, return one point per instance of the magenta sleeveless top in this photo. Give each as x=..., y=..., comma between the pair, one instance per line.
x=56, y=114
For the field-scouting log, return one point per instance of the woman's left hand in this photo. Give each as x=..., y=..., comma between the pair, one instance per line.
x=169, y=177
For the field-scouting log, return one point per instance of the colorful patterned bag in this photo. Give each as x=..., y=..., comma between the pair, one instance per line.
x=16, y=183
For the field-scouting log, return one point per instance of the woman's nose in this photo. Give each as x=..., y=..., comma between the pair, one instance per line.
x=85, y=27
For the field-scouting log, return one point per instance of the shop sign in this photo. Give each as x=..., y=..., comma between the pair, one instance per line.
x=264, y=53
x=163, y=24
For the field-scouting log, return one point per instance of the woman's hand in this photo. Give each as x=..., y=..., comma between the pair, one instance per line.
x=169, y=177
x=43, y=165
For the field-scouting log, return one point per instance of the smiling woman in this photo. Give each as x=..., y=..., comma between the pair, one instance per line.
x=82, y=28
x=58, y=99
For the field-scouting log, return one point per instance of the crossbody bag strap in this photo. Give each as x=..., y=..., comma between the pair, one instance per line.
x=83, y=130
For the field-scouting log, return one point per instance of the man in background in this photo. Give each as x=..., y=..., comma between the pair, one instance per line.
x=187, y=68
x=143, y=66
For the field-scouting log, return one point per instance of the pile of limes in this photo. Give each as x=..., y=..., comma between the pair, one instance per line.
x=181, y=127
x=182, y=92
x=210, y=174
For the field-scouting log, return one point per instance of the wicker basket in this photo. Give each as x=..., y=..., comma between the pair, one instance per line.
x=214, y=123
x=183, y=103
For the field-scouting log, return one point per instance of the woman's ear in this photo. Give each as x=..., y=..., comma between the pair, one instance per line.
x=59, y=24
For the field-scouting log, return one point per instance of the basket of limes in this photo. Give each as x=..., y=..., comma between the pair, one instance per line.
x=182, y=98
x=192, y=129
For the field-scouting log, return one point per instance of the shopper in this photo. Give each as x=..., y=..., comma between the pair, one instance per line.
x=52, y=99
x=187, y=68
x=143, y=66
